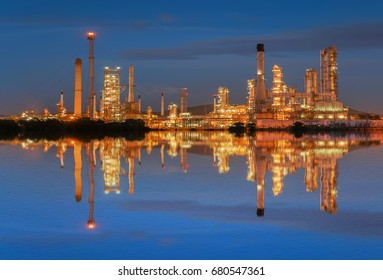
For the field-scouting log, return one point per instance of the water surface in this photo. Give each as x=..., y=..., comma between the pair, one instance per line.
x=193, y=195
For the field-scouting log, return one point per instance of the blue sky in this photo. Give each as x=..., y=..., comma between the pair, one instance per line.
x=172, y=44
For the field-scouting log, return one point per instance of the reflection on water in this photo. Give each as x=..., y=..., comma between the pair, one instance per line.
x=278, y=153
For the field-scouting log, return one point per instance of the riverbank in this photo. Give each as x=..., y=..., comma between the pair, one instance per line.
x=83, y=129
x=86, y=129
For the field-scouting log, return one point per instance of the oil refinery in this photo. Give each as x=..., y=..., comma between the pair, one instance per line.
x=278, y=107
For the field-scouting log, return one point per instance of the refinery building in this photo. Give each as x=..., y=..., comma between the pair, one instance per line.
x=279, y=106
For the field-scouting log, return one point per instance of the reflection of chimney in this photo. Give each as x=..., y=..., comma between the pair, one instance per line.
x=261, y=172
x=162, y=156
x=60, y=153
x=77, y=89
x=131, y=173
x=261, y=90
x=162, y=104
x=183, y=158
x=77, y=169
x=251, y=173
x=260, y=200
x=91, y=222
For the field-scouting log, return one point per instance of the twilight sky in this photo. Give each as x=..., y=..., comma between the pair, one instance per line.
x=197, y=44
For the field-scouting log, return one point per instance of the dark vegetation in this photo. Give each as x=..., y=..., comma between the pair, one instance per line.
x=84, y=129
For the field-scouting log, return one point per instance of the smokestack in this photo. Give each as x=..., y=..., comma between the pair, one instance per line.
x=183, y=105
x=62, y=98
x=91, y=36
x=215, y=103
x=162, y=104
x=78, y=88
x=139, y=104
x=261, y=91
x=131, y=85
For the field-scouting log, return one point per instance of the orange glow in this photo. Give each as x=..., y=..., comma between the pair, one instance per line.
x=91, y=225
x=91, y=35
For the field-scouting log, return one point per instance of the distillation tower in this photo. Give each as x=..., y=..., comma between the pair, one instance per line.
x=329, y=73
x=223, y=98
x=311, y=85
x=110, y=109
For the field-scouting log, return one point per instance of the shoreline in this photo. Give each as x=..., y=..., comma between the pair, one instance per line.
x=134, y=129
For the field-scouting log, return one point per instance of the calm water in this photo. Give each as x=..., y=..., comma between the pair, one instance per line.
x=193, y=196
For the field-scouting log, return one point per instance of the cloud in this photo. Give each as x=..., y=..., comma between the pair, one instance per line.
x=362, y=36
x=47, y=21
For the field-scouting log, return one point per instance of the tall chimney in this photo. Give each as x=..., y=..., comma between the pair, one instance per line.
x=92, y=109
x=62, y=98
x=261, y=91
x=131, y=84
x=78, y=88
x=184, y=96
x=215, y=103
x=162, y=104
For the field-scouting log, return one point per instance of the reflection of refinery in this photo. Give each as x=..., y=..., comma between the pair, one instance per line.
x=277, y=107
x=278, y=153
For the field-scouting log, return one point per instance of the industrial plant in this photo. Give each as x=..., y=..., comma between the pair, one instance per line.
x=278, y=107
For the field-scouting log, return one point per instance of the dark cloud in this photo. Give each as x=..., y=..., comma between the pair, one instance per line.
x=347, y=37
x=47, y=21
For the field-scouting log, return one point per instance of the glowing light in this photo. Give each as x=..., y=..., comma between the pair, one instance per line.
x=91, y=225
x=91, y=35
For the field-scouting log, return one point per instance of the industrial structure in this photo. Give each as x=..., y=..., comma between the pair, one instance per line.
x=61, y=110
x=77, y=107
x=110, y=106
x=162, y=104
x=91, y=112
x=132, y=108
x=277, y=107
x=280, y=106
x=261, y=89
x=184, y=100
